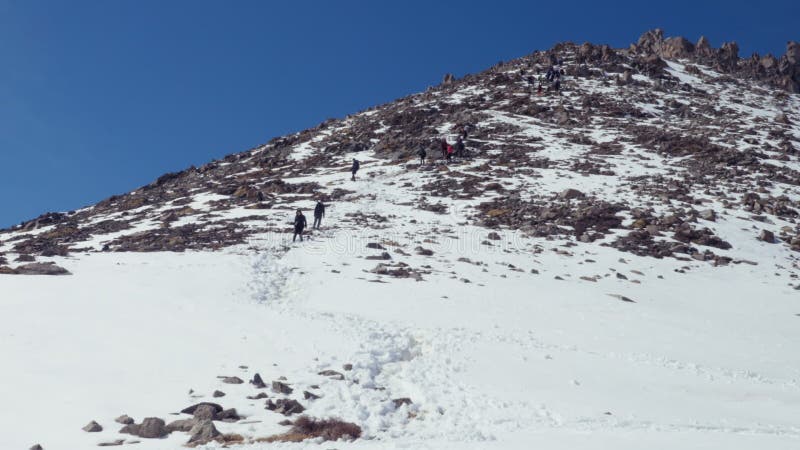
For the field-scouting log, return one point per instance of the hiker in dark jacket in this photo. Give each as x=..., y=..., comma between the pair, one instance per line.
x=354, y=169
x=422, y=154
x=299, y=225
x=460, y=147
x=319, y=213
x=466, y=130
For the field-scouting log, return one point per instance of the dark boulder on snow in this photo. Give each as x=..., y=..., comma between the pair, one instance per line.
x=423, y=251
x=281, y=388
x=382, y=257
x=231, y=380
x=332, y=374
x=153, y=427
x=228, y=415
x=569, y=194
x=258, y=382
x=310, y=395
x=92, y=427
x=202, y=432
x=398, y=402
x=284, y=406
x=124, y=419
x=193, y=408
x=150, y=428
x=205, y=412
x=41, y=269
x=708, y=214
x=184, y=425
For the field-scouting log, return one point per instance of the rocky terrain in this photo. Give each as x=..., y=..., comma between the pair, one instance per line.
x=664, y=136
x=657, y=170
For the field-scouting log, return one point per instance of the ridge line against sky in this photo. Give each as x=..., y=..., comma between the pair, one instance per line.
x=98, y=98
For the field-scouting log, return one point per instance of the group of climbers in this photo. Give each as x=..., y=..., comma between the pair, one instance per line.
x=448, y=151
x=552, y=77
x=300, y=223
x=457, y=149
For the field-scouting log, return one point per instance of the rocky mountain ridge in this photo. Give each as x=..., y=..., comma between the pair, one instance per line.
x=643, y=150
x=611, y=263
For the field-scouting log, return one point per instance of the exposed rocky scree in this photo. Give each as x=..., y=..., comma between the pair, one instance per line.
x=672, y=134
x=199, y=421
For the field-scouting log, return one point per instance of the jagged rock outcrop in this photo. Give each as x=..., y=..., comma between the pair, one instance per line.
x=783, y=72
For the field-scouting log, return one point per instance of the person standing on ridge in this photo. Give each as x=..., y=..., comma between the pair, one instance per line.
x=299, y=225
x=450, y=152
x=468, y=128
x=319, y=213
x=354, y=169
x=460, y=147
x=422, y=154
x=463, y=130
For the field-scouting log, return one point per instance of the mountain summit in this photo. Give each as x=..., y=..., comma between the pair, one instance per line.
x=610, y=260
x=661, y=134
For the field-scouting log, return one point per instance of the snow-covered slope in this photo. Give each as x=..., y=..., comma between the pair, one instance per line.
x=595, y=275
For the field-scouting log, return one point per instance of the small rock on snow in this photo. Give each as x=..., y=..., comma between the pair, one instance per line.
x=231, y=380
x=281, y=388
x=124, y=419
x=398, y=402
x=92, y=427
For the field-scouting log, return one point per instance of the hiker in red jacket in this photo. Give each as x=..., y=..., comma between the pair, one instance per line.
x=450, y=152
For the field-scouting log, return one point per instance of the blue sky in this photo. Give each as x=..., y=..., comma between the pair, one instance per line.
x=100, y=97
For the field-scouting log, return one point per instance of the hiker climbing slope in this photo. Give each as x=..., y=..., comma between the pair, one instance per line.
x=319, y=213
x=422, y=154
x=443, y=145
x=299, y=225
x=354, y=169
x=460, y=147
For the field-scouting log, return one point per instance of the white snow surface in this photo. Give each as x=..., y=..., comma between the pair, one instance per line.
x=705, y=359
x=510, y=349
